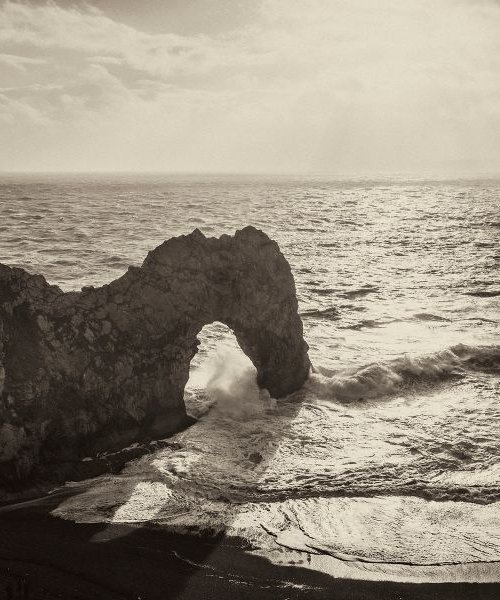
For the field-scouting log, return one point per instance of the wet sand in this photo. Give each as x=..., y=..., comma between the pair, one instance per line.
x=44, y=558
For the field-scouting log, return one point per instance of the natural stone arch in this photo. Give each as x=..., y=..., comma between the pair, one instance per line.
x=82, y=372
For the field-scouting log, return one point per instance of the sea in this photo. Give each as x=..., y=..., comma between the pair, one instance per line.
x=386, y=465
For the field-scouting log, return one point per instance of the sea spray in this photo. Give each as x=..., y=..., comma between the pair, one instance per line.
x=228, y=379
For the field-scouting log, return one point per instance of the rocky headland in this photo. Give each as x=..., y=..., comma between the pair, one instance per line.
x=90, y=372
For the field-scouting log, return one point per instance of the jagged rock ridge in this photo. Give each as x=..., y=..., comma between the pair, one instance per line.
x=90, y=371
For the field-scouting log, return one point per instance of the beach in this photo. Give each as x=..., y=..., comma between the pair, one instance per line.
x=60, y=559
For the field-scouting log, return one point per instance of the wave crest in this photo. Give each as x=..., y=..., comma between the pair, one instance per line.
x=385, y=377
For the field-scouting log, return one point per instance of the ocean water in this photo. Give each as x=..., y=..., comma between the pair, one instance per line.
x=386, y=463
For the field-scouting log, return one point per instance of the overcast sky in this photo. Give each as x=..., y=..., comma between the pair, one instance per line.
x=332, y=86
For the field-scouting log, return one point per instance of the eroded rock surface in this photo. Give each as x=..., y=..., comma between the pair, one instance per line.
x=92, y=371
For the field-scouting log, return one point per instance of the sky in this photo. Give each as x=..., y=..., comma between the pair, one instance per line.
x=274, y=86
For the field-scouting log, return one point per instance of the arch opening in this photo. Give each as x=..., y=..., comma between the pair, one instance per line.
x=222, y=375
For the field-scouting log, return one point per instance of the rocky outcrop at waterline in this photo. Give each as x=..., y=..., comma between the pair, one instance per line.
x=93, y=371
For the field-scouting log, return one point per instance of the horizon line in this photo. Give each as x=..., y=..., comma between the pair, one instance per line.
x=442, y=173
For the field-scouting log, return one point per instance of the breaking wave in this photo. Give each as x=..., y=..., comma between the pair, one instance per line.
x=227, y=379
x=382, y=378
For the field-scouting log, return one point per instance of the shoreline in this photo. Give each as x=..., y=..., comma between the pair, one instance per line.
x=53, y=558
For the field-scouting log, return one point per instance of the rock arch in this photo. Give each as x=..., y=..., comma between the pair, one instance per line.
x=83, y=372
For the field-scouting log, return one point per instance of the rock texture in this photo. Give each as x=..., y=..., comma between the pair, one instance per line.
x=93, y=371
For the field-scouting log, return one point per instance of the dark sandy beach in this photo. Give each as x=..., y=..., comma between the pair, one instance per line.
x=42, y=557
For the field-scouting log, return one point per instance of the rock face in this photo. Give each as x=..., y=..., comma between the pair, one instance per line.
x=90, y=371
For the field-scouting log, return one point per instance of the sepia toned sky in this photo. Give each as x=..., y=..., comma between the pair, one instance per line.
x=292, y=86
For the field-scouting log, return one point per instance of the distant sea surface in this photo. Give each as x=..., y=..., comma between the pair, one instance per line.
x=387, y=463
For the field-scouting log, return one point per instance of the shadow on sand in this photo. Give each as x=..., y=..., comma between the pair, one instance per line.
x=57, y=559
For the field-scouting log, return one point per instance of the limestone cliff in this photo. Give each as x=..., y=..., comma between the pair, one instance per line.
x=84, y=372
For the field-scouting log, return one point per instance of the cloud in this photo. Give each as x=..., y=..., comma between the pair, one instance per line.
x=19, y=62
x=305, y=85
x=11, y=110
x=88, y=31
